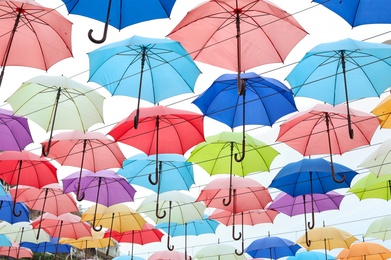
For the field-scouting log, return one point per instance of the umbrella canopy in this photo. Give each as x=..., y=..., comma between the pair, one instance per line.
x=120, y=14
x=7, y=208
x=96, y=240
x=379, y=228
x=218, y=252
x=14, y=131
x=175, y=173
x=272, y=247
x=23, y=232
x=310, y=255
x=260, y=32
x=365, y=250
x=66, y=225
x=4, y=240
x=249, y=217
x=58, y=103
x=382, y=111
x=372, y=187
x=358, y=13
x=168, y=255
x=45, y=41
x=378, y=162
x=52, y=247
x=16, y=251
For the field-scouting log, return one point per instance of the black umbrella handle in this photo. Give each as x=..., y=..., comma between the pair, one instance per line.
x=45, y=151
x=104, y=30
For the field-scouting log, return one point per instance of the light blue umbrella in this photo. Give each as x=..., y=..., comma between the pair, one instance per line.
x=161, y=68
x=310, y=255
x=4, y=240
x=128, y=257
x=2, y=191
x=341, y=71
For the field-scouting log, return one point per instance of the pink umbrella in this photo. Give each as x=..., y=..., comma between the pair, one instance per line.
x=15, y=251
x=168, y=255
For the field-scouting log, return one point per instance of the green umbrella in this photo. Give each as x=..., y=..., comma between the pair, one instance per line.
x=380, y=228
x=215, y=155
x=372, y=187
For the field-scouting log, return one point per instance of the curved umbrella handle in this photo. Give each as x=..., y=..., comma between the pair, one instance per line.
x=169, y=247
x=233, y=233
x=96, y=207
x=157, y=212
x=309, y=224
x=14, y=212
x=16, y=193
x=237, y=158
x=334, y=175
x=45, y=152
x=104, y=30
x=225, y=202
x=79, y=197
x=307, y=241
x=158, y=170
x=240, y=253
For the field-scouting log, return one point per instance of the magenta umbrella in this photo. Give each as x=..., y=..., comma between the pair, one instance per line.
x=103, y=187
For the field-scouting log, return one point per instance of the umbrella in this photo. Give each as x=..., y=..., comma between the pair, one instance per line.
x=358, y=13
x=215, y=155
x=175, y=173
x=310, y=255
x=7, y=207
x=26, y=168
x=263, y=102
x=168, y=255
x=194, y=227
x=181, y=208
x=148, y=234
x=90, y=150
x=331, y=72
x=379, y=229
x=57, y=102
x=96, y=240
x=120, y=14
x=161, y=130
x=33, y=35
x=103, y=187
x=319, y=130
x=66, y=225
x=127, y=257
x=238, y=35
x=378, y=162
x=218, y=252
x=14, y=131
x=52, y=247
x=4, y=240
x=169, y=70
x=382, y=111
x=365, y=250
x=272, y=247
x=23, y=232
x=16, y=251
x=372, y=187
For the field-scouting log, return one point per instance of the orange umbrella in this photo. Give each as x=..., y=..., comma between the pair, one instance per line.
x=365, y=250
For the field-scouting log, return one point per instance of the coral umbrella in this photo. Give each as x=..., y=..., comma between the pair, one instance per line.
x=16, y=251
x=88, y=150
x=26, y=168
x=32, y=35
x=238, y=35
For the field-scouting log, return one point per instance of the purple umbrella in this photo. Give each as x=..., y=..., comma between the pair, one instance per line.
x=14, y=131
x=104, y=187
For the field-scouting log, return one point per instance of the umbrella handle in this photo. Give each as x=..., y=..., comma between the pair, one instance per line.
x=169, y=247
x=16, y=193
x=334, y=175
x=309, y=224
x=78, y=194
x=14, y=212
x=104, y=30
x=157, y=212
x=225, y=202
x=307, y=241
x=240, y=253
x=237, y=158
x=45, y=152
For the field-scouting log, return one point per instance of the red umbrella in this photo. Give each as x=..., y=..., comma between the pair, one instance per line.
x=322, y=130
x=161, y=130
x=26, y=168
x=90, y=150
x=66, y=225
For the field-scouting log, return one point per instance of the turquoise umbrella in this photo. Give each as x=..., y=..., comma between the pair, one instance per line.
x=310, y=255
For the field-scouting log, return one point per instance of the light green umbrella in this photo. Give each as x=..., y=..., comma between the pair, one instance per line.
x=372, y=187
x=58, y=103
x=215, y=155
x=218, y=252
x=380, y=228
x=379, y=161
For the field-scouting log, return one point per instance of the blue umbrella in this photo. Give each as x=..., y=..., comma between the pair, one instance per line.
x=4, y=240
x=264, y=101
x=360, y=12
x=128, y=257
x=52, y=247
x=118, y=13
x=194, y=227
x=341, y=71
x=272, y=247
x=310, y=255
x=6, y=209
x=173, y=172
x=120, y=66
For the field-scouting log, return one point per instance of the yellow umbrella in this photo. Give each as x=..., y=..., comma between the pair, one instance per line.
x=95, y=241
x=383, y=112
x=365, y=250
x=118, y=217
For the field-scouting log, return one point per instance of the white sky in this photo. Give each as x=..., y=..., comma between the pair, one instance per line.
x=322, y=25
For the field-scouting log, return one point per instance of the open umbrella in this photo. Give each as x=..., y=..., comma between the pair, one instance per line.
x=168, y=255
x=7, y=208
x=148, y=234
x=161, y=130
x=365, y=250
x=359, y=12
x=379, y=228
x=320, y=130
x=23, y=232
x=218, y=252
x=342, y=71
x=372, y=187
x=379, y=161
x=215, y=156
x=165, y=69
x=57, y=102
x=14, y=131
x=32, y=35
x=272, y=247
x=238, y=35
x=383, y=111
x=26, y=168
x=310, y=255
x=16, y=251
x=263, y=102
x=88, y=150
x=51, y=247
x=120, y=14
x=103, y=187
x=96, y=240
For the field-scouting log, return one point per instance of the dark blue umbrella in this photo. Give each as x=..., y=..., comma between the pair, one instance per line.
x=272, y=247
x=264, y=101
x=51, y=247
x=6, y=208
x=360, y=12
